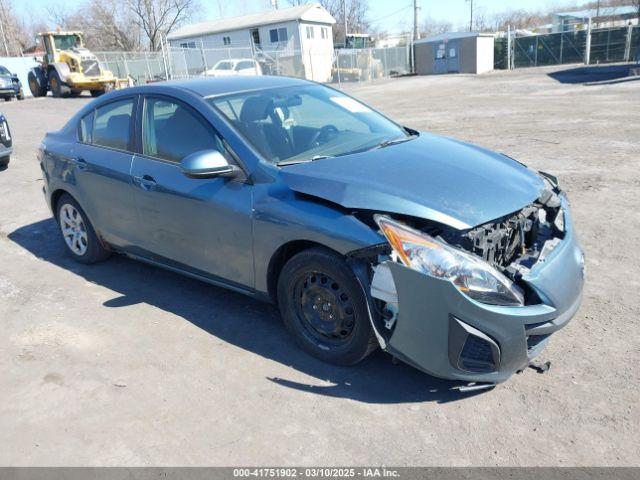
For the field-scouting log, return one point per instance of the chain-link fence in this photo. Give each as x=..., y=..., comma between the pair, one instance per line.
x=140, y=67
x=333, y=66
x=605, y=45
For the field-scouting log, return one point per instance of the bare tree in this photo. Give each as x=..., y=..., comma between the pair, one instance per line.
x=157, y=18
x=14, y=33
x=357, y=17
x=434, y=27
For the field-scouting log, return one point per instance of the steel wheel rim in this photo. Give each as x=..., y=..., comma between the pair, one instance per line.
x=323, y=308
x=74, y=230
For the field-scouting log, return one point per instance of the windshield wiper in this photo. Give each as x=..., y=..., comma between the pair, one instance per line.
x=305, y=160
x=395, y=141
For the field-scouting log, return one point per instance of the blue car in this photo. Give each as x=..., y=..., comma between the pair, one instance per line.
x=10, y=85
x=457, y=260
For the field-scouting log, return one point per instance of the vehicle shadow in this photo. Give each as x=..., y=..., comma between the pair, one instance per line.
x=595, y=74
x=241, y=321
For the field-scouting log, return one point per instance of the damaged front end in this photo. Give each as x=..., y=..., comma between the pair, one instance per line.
x=476, y=304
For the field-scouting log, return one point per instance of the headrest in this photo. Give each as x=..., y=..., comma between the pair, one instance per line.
x=256, y=108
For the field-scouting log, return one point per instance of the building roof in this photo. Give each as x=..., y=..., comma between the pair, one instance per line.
x=452, y=36
x=604, y=12
x=311, y=12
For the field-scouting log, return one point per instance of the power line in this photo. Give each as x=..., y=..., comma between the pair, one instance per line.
x=392, y=13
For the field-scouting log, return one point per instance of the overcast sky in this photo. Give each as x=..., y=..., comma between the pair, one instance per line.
x=392, y=16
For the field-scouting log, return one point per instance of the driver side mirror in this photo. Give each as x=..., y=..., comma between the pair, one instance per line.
x=207, y=164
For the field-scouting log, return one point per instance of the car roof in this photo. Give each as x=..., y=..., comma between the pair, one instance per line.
x=207, y=86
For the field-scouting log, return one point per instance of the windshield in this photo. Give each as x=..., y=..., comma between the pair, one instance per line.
x=66, y=42
x=4, y=71
x=305, y=123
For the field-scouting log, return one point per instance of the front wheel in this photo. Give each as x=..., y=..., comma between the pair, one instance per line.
x=78, y=233
x=58, y=89
x=323, y=306
x=4, y=162
x=97, y=93
x=20, y=95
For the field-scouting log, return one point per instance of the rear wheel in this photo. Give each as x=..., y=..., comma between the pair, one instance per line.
x=58, y=89
x=97, y=93
x=76, y=93
x=324, y=307
x=4, y=162
x=8, y=98
x=36, y=89
x=78, y=233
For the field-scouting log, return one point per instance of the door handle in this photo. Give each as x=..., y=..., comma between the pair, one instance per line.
x=79, y=162
x=146, y=182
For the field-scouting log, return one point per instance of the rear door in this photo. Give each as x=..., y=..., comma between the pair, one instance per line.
x=101, y=164
x=201, y=225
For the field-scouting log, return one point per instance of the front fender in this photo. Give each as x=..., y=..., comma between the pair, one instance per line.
x=280, y=217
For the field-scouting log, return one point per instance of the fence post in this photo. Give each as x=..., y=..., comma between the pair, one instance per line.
x=146, y=59
x=204, y=58
x=535, y=62
x=164, y=59
x=587, y=53
x=561, y=45
x=627, y=44
x=508, y=47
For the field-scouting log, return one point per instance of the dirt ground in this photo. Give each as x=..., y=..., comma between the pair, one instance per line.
x=125, y=364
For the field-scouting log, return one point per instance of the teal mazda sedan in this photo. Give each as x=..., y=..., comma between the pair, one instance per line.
x=367, y=234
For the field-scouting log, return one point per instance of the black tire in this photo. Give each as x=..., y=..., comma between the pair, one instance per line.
x=97, y=93
x=20, y=95
x=58, y=89
x=8, y=98
x=95, y=251
x=37, y=90
x=76, y=93
x=4, y=162
x=308, y=284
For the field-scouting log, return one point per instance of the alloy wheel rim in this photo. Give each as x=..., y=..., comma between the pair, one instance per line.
x=73, y=229
x=324, y=308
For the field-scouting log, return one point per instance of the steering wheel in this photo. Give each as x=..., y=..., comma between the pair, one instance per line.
x=321, y=136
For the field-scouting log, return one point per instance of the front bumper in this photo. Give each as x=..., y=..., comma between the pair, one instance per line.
x=445, y=333
x=4, y=91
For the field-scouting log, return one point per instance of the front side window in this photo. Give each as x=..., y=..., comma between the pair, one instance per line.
x=170, y=131
x=297, y=124
x=112, y=125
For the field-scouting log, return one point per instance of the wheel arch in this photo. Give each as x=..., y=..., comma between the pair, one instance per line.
x=281, y=256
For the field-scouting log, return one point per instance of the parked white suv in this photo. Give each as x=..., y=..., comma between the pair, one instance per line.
x=237, y=66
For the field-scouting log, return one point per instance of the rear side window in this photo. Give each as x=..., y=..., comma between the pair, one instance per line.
x=171, y=132
x=112, y=125
x=86, y=127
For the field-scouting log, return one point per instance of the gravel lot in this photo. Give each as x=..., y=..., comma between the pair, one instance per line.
x=125, y=364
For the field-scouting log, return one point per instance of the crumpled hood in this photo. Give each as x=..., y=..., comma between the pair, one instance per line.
x=431, y=177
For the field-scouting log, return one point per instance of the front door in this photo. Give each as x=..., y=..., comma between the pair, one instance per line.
x=201, y=225
x=453, y=60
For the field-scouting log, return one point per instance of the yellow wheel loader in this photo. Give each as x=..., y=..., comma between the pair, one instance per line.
x=68, y=68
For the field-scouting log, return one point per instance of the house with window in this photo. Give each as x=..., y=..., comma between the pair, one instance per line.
x=294, y=41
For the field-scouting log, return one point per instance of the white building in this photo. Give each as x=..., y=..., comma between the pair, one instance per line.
x=294, y=41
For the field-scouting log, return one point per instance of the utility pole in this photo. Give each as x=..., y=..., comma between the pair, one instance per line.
x=471, y=19
x=416, y=33
x=597, y=12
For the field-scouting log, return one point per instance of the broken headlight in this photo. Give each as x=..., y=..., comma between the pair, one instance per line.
x=470, y=274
